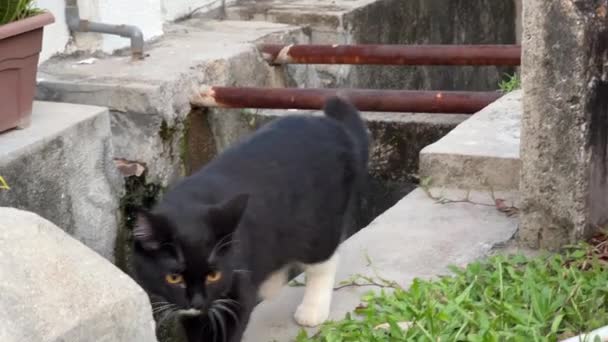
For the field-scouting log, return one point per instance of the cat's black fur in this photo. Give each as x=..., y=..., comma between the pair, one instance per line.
x=284, y=195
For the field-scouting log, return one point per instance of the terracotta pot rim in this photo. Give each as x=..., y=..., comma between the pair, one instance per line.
x=26, y=25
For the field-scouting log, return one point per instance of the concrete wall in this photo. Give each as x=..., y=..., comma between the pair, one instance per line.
x=433, y=22
x=398, y=22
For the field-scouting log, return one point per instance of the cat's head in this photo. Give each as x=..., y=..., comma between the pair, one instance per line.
x=184, y=254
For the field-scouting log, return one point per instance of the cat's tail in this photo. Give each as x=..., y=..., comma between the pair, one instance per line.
x=344, y=111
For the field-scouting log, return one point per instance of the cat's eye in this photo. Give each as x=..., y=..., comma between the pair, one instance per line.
x=214, y=276
x=174, y=278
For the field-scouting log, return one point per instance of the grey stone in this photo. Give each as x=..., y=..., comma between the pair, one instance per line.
x=55, y=289
x=417, y=238
x=402, y=22
x=482, y=152
x=61, y=167
x=564, y=181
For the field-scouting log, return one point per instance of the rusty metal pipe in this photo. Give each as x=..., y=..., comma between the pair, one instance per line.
x=465, y=102
x=507, y=55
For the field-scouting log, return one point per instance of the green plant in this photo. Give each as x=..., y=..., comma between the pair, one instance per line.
x=502, y=298
x=513, y=82
x=4, y=184
x=13, y=10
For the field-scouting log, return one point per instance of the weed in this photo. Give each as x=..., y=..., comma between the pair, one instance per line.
x=513, y=82
x=502, y=298
x=13, y=10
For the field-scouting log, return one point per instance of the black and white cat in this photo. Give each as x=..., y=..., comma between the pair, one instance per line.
x=225, y=237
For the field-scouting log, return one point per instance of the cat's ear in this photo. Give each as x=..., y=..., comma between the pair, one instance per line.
x=145, y=232
x=225, y=217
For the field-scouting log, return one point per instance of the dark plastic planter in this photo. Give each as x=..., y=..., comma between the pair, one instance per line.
x=20, y=45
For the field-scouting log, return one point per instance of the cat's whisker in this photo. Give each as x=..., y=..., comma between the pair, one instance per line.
x=213, y=324
x=228, y=243
x=222, y=322
x=160, y=305
x=167, y=313
x=229, y=311
x=156, y=304
x=241, y=271
x=229, y=301
x=220, y=244
x=162, y=308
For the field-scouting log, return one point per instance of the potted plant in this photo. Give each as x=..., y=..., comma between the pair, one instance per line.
x=21, y=26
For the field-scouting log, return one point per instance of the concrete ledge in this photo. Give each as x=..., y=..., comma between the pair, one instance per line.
x=418, y=237
x=482, y=152
x=55, y=289
x=61, y=167
x=150, y=100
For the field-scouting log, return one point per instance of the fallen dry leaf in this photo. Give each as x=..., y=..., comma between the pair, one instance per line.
x=402, y=325
x=503, y=207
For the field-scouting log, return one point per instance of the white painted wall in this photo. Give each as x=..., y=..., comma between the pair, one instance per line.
x=56, y=35
x=148, y=15
x=145, y=14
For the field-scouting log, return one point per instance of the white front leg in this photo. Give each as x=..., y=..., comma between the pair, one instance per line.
x=315, y=305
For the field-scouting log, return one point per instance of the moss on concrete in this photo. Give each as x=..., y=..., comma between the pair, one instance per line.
x=183, y=144
x=138, y=194
x=167, y=132
x=197, y=144
x=141, y=194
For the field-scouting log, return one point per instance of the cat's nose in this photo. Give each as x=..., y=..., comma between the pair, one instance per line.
x=198, y=301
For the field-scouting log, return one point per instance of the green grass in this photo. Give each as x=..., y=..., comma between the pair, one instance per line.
x=502, y=298
x=13, y=10
x=512, y=82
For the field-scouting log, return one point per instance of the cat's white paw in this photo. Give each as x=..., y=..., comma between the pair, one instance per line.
x=311, y=315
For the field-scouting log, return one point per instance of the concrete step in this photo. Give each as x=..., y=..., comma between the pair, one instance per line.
x=418, y=237
x=482, y=152
x=61, y=168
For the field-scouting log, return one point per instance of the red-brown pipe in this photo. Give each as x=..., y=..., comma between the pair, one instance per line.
x=508, y=55
x=464, y=102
